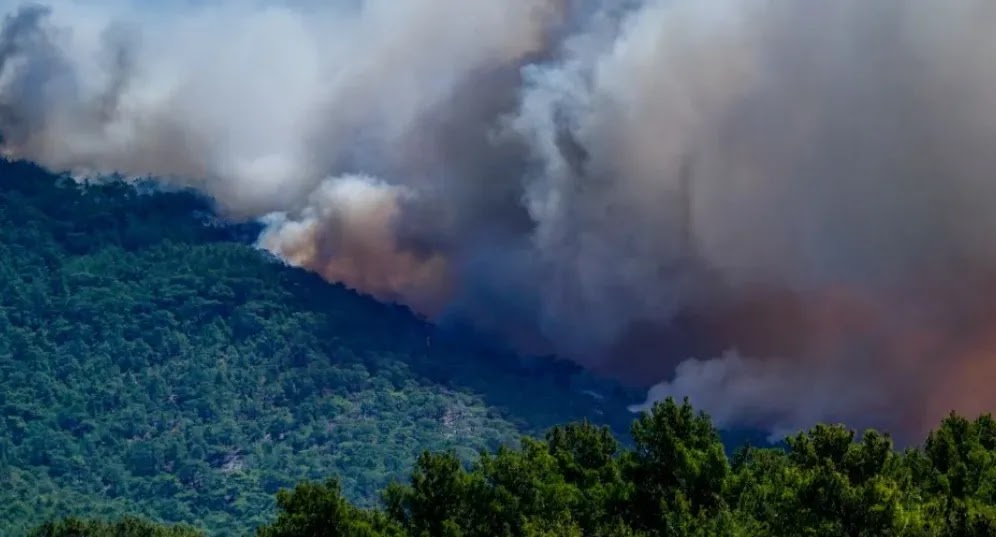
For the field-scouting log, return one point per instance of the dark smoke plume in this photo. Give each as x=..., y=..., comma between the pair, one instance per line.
x=782, y=209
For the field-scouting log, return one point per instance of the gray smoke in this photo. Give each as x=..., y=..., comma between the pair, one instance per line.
x=642, y=187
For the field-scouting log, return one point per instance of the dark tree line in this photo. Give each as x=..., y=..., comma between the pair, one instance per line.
x=675, y=481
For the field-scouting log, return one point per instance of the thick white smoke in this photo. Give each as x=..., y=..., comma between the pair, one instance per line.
x=809, y=183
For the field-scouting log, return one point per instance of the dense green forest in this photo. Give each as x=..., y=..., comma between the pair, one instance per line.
x=155, y=363
x=676, y=480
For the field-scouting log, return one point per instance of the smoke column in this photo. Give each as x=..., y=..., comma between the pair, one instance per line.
x=783, y=210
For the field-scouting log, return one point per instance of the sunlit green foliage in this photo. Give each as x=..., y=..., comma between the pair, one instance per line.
x=676, y=482
x=155, y=365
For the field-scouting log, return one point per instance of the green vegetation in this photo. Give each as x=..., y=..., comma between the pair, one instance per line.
x=155, y=365
x=675, y=481
x=128, y=527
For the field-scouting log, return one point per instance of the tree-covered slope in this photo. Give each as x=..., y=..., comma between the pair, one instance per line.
x=674, y=481
x=154, y=365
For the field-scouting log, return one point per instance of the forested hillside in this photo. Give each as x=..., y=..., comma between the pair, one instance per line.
x=155, y=365
x=675, y=481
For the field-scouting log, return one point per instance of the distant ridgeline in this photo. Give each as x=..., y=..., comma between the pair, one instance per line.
x=151, y=364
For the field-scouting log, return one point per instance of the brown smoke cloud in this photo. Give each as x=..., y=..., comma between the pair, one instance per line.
x=780, y=209
x=347, y=234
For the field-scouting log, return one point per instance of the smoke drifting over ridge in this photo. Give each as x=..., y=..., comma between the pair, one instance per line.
x=807, y=185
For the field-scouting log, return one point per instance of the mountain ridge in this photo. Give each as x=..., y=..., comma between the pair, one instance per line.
x=155, y=365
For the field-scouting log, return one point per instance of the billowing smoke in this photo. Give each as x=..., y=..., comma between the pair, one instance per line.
x=785, y=210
